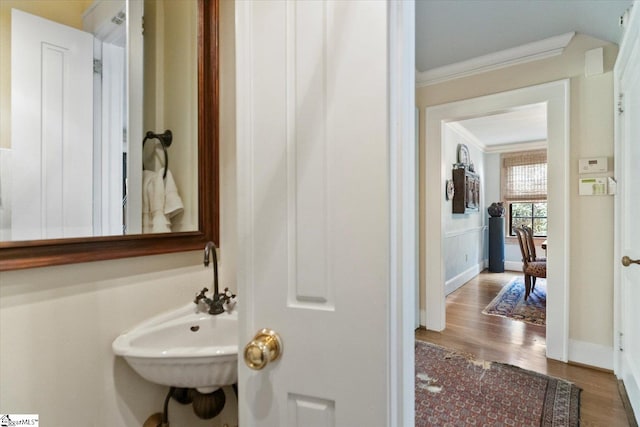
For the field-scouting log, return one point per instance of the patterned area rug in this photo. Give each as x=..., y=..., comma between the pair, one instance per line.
x=453, y=389
x=510, y=302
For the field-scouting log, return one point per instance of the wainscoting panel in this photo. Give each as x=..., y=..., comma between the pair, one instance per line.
x=463, y=256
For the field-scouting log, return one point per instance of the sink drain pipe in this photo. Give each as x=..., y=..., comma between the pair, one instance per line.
x=205, y=405
x=160, y=419
x=165, y=408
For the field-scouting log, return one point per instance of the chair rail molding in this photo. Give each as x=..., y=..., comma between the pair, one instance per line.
x=469, y=230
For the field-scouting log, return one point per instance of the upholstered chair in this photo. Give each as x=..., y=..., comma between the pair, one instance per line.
x=531, y=269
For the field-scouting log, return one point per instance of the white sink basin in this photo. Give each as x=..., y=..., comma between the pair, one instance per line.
x=183, y=348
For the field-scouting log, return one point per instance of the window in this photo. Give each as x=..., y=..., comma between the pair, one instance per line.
x=524, y=190
x=533, y=215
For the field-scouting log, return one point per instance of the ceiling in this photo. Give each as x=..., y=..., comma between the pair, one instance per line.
x=527, y=124
x=452, y=31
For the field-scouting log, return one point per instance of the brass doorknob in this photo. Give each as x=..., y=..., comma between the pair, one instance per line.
x=265, y=347
x=626, y=261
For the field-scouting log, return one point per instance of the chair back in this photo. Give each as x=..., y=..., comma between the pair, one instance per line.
x=524, y=246
x=530, y=244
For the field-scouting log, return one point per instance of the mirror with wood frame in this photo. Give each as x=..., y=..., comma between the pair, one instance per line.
x=38, y=253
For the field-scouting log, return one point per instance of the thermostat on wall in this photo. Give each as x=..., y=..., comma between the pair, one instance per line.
x=593, y=165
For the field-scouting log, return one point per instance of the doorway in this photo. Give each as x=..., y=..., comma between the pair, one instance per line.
x=555, y=96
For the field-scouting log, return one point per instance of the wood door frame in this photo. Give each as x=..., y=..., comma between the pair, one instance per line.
x=556, y=96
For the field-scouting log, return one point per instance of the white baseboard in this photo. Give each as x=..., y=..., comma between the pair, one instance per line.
x=462, y=278
x=591, y=354
x=455, y=282
x=513, y=266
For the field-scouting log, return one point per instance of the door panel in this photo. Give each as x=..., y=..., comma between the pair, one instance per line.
x=313, y=194
x=310, y=412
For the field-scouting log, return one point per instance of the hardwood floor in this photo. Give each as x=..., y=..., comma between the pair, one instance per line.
x=521, y=344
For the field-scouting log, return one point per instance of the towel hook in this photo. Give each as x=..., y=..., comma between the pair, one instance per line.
x=165, y=140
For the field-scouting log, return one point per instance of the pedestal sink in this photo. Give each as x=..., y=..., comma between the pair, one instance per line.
x=184, y=348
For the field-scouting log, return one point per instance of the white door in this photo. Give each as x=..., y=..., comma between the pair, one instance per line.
x=627, y=78
x=51, y=129
x=317, y=225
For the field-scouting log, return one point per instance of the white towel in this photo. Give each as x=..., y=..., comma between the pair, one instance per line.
x=172, y=201
x=160, y=201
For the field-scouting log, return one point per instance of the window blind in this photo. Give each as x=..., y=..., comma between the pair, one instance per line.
x=524, y=176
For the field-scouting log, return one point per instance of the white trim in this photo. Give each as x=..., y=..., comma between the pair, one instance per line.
x=529, y=52
x=403, y=226
x=513, y=266
x=417, y=213
x=556, y=95
x=469, y=230
x=558, y=200
x=462, y=278
x=245, y=197
x=423, y=318
x=591, y=354
x=518, y=146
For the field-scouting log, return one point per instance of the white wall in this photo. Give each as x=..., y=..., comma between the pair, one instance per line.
x=180, y=116
x=591, y=134
x=464, y=234
x=57, y=323
x=492, y=167
x=56, y=329
x=5, y=194
x=491, y=177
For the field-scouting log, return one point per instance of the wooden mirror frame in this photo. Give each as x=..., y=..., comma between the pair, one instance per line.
x=40, y=253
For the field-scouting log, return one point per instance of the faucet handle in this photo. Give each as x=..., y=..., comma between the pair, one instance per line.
x=200, y=295
x=226, y=295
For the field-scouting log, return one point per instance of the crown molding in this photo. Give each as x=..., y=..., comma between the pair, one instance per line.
x=542, y=49
x=508, y=147
x=468, y=136
x=517, y=146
